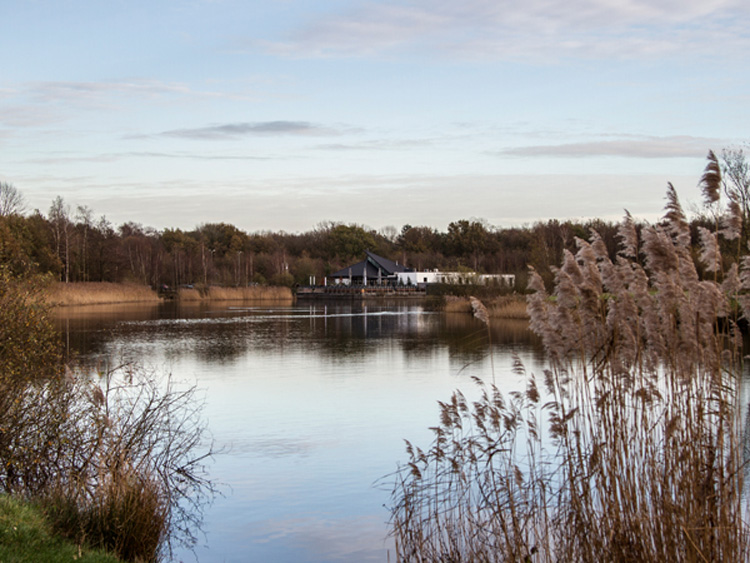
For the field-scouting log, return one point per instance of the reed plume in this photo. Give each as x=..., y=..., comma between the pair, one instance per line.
x=632, y=449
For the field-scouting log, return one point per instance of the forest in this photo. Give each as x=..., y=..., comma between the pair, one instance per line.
x=73, y=245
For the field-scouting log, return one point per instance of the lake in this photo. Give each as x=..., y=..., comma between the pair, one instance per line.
x=309, y=405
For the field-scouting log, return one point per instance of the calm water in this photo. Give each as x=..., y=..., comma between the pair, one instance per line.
x=310, y=404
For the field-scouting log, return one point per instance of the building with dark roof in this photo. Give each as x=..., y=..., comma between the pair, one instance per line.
x=373, y=270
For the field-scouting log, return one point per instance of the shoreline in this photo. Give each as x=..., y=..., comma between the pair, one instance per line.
x=74, y=294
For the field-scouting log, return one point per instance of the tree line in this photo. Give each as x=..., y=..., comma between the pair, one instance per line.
x=72, y=244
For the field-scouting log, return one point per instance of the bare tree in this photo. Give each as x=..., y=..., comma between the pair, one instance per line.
x=11, y=200
x=59, y=218
x=85, y=217
x=735, y=175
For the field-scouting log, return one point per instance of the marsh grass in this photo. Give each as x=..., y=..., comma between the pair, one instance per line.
x=500, y=307
x=90, y=293
x=252, y=293
x=630, y=448
x=508, y=307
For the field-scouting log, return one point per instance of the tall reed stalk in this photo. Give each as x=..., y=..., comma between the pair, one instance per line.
x=632, y=449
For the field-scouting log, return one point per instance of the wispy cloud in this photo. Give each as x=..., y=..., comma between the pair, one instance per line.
x=628, y=147
x=262, y=128
x=529, y=30
x=43, y=103
x=379, y=145
x=73, y=91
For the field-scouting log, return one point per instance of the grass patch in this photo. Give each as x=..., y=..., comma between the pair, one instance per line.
x=26, y=536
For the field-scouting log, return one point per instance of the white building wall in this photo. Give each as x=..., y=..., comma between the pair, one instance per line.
x=435, y=276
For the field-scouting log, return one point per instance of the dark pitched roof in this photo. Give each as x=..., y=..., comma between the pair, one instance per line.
x=386, y=265
x=370, y=267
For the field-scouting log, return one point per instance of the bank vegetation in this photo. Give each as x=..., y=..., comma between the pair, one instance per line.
x=115, y=459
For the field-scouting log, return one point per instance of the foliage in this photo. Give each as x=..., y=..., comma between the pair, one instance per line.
x=29, y=344
x=640, y=456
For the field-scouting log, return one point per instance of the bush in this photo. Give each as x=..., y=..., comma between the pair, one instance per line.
x=130, y=478
x=112, y=457
x=641, y=457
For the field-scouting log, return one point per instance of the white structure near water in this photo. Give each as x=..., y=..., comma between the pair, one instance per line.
x=454, y=278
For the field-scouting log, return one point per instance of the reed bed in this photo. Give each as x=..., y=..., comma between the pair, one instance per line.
x=630, y=448
x=93, y=293
x=502, y=307
x=252, y=293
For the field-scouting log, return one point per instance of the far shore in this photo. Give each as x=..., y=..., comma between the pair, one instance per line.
x=104, y=293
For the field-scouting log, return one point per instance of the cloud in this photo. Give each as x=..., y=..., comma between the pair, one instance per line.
x=44, y=103
x=263, y=128
x=530, y=30
x=73, y=91
x=379, y=145
x=641, y=147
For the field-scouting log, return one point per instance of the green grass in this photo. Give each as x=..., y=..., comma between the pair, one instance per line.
x=25, y=535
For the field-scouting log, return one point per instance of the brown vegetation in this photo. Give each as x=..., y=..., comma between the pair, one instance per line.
x=253, y=293
x=501, y=307
x=93, y=293
x=112, y=458
x=631, y=450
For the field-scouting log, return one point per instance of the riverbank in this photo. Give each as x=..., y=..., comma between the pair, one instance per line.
x=26, y=535
x=501, y=307
x=105, y=293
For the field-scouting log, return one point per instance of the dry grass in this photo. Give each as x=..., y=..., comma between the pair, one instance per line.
x=508, y=307
x=92, y=293
x=630, y=451
x=502, y=307
x=253, y=293
x=455, y=304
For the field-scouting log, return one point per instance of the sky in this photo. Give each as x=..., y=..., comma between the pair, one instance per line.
x=284, y=114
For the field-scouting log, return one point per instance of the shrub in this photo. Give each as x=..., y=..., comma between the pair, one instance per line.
x=113, y=458
x=131, y=478
x=640, y=458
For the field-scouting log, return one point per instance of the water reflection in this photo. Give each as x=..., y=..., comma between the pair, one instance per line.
x=311, y=404
x=223, y=333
